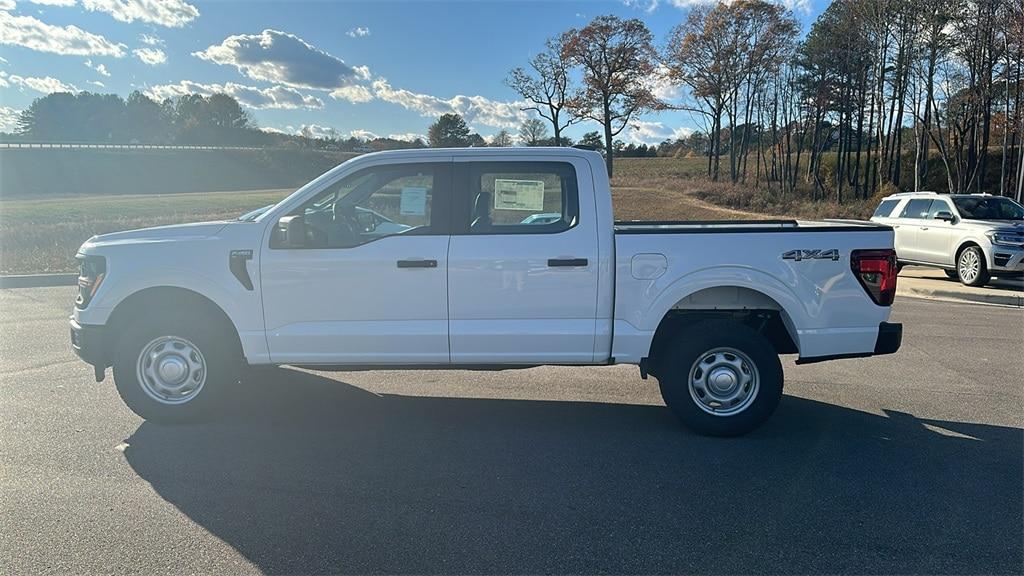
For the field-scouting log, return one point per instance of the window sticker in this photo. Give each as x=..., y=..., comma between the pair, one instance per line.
x=525, y=195
x=414, y=201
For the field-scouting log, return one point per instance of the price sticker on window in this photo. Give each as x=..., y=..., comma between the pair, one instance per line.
x=414, y=201
x=524, y=195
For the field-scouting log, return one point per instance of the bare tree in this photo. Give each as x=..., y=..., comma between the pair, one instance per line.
x=547, y=87
x=533, y=131
x=617, y=58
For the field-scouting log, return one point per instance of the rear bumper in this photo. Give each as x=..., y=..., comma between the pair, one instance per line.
x=888, y=341
x=90, y=344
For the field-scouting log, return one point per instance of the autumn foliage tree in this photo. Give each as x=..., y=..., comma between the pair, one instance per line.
x=617, y=60
x=546, y=86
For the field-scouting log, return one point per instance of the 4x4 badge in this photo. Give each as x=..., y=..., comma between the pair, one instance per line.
x=799, y=255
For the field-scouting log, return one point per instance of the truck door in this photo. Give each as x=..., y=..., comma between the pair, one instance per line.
x=369, y=283
x=523, y=262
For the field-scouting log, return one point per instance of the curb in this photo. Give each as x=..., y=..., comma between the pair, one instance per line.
x=963, y=297
x=38, y=280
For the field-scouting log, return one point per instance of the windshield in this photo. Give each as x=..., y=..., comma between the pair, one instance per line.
x=988, y=208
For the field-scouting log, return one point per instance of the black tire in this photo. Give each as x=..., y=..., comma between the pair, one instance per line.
x=952, y=275
x=218, y=349
x=692, y=344
x=982, y=277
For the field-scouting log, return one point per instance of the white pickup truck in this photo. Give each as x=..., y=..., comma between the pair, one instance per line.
x=480, y=259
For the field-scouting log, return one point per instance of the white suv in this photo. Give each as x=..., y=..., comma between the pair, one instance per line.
x=970, y=236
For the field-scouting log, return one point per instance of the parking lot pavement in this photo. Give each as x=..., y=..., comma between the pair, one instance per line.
x=932, y=283
x=904, y=463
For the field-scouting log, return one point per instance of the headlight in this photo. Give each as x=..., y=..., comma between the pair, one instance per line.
x=91, y=271
x=1006, y=237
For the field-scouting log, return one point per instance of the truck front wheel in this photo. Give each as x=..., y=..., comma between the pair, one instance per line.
x=174, y=369
x=720, y=378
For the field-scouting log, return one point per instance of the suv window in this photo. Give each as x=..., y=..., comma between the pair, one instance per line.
x=521, y=197
x=938, y=206
x=885, y=208
x=917, y=208
x=371, y=204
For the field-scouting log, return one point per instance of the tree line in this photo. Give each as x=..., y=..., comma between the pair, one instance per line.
x=190, y=119
x=879, y=95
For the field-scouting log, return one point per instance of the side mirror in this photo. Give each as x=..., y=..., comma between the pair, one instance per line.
x=294, y=231
x=945, y=216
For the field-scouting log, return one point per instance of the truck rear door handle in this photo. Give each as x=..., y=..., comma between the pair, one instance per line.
x=567, y=262
x=417, y=263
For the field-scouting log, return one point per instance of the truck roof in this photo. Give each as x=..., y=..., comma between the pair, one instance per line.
x=483, y=151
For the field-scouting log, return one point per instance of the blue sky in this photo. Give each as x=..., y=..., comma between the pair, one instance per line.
x=362, y=68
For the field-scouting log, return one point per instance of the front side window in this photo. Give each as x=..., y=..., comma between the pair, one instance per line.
x=885, y=208
x=938, y=206
x=917, y=208
x=522, y=197
x=369, y=205
x=988, y=208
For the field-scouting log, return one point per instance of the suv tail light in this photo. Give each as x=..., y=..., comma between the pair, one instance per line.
x=92, y=269
x=876, y=272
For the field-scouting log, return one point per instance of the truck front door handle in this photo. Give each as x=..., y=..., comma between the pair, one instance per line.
x=567, y=262
x=417, y=263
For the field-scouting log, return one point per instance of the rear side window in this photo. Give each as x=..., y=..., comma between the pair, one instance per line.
x=885, y=208
x=917, y=208
x=521, y=197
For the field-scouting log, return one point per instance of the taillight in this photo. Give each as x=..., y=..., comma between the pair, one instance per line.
x=876, y=272
x=92, y=269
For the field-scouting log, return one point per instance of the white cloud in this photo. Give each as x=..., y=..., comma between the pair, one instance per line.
x=354, y=94
x=474, y=109
x=151, y=56
x=279, y=97
x=7, y=4
x=54, y=2
x=362, y=134
x=408, y=136
x=662, y=87
x=31, y=33
x=170, y=13
x=316, y=131
x=8, y=118
x=97, y=83
x=46, y=84
x=358, y=32
x=642, y=132
x=100, y=68
x=283, y=58
x=150, y=40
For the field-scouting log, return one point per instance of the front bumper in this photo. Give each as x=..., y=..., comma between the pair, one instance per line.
x=90, y=344
x=1006, y=259
x=888, y=341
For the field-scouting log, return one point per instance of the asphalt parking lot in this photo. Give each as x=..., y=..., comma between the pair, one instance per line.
x=898, y=464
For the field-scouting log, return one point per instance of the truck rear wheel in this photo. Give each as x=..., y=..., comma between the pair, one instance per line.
x=721, y=378
x=174, y=369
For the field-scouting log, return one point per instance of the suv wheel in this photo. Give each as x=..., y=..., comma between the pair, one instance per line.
x=970, y=267
x=174, y=369
x=721, y=378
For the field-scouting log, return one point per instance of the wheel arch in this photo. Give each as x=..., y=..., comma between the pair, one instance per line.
x=173, y=298
x=749, y=306
x=965, y=244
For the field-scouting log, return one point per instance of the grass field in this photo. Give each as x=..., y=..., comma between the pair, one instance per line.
x=42, y=235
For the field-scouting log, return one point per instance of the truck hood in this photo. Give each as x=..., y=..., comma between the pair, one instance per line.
x=176, y=232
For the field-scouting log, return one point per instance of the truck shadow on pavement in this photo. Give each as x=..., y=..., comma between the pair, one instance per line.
x=311, y=475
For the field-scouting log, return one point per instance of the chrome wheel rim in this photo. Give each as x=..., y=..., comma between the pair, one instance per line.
x=723, y=382
x=970, y=266
x=171, y=370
